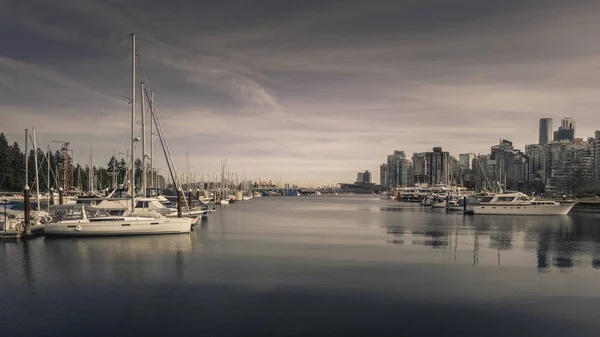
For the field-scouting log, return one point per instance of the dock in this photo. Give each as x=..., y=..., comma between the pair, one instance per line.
x=13, y=235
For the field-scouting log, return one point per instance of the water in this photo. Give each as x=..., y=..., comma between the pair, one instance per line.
x=308, y=266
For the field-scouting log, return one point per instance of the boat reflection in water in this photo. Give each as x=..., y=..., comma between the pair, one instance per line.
x=563, y=242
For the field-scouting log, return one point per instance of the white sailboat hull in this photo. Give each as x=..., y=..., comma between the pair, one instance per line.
x=520, y=209
x=120, y=227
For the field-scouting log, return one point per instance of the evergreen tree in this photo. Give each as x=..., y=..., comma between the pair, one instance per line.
x=122, y=171
x=4, y=162
x=138, y=172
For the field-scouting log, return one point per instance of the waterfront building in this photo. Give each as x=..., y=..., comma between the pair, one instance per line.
x=364, y=177
x=465, y=170
x=383, y=174
x=465, y=160
x=438, y=166
x=398, y=169
x=536, y=156
x=420, y=170
x=566, y=131
x=595, y=150
x=509, y=165
x=545, y=131
x=481, y=181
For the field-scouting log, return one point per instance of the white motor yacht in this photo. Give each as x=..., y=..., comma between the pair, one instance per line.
x=517, y=203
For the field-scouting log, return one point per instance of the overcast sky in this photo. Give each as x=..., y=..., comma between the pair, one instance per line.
x=303, y=91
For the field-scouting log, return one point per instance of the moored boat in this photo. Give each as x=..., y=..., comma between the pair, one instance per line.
x=517, y=203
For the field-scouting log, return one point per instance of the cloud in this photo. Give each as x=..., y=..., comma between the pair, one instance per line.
x=294, y=89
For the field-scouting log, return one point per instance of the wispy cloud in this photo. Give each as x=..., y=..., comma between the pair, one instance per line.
x=294, y=89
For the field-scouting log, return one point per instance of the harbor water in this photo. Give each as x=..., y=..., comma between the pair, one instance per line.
x=314, y=266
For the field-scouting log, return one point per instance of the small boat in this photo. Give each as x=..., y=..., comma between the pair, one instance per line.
x=455, y=205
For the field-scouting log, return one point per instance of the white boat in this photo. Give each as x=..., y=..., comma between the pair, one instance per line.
x=517, y=203
x=246, y=198
x=440, y=204
x=82, y=220
x=223, y=202
x=455, y=205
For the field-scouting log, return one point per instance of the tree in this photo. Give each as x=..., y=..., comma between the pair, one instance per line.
x=138, y=172
x=4, y=161
x=122, y=170
x=16, y=169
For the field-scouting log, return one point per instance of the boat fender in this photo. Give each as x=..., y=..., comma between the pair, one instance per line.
x=78, y=227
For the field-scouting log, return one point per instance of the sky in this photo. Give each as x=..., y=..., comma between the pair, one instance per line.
x=306, y=92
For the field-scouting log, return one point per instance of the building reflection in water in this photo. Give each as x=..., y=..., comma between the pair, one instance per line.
x=549, y=242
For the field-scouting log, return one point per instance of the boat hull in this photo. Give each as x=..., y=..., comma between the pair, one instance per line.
x=123, y=227
x=520, y=210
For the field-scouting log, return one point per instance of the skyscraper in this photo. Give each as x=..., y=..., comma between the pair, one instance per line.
x=383, y=175
x=438, y=167
x=398, y=168
x=566, y=131
x=545, y=131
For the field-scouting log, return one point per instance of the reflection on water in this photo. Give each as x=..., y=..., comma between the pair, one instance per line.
x=313, y=265
x=564, y=242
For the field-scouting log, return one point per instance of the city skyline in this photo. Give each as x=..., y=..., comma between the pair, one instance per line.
x=297, y=93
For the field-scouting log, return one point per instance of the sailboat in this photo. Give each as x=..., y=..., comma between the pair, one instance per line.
x=80, y=220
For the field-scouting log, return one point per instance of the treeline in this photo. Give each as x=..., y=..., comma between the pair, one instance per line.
x=12, y=170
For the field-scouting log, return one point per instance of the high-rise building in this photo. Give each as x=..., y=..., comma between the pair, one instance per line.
x=367, y=177
x=566, y=131
x=438, y=166
x=465, y=160
x=596, y=153
x=536, y=162
x=420, y=168
x=545, y=131
x=364, y=177
x=398, y=168
x=383, y=175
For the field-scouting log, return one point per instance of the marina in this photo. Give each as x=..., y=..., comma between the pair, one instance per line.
x=379, y=258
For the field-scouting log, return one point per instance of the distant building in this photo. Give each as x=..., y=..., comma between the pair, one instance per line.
x=419, y=168
x=545, y=131
x=398, y=170
x=595, y=146
x=438, y=166
x=367, y=177
x=566, y=131
x=465, y=160
x=508, y=166
x=383, y=174
x=364, y=177
x=536, y=162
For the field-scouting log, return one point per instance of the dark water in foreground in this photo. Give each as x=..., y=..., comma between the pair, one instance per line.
x=308, y=266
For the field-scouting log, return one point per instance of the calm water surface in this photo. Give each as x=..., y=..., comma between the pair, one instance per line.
x=308, y=266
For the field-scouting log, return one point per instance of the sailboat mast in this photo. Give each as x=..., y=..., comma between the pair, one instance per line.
x=132, y=121
x=37, y=180
x=143, y=139
x=50, y=195
x=151, y=140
